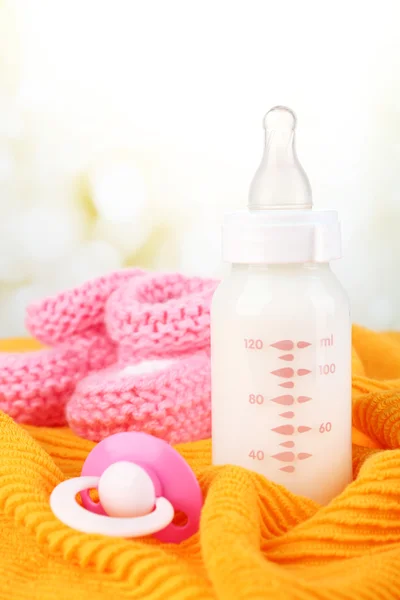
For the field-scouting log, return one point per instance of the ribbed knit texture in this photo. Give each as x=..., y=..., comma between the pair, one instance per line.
x=128, y=351
x=155, y=317
x=256, y=539
x=35, y=387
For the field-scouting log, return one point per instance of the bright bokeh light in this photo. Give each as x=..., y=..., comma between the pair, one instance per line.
x=157, y=107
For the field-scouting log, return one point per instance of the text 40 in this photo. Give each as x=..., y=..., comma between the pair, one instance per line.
x=257, y=454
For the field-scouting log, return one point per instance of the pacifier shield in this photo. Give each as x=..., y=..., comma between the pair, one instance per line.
x=171, y=475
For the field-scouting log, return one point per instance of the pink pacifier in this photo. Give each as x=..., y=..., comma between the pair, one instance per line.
x=141, y=481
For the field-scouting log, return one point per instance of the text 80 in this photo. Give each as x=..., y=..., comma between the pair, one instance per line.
x=256, y=399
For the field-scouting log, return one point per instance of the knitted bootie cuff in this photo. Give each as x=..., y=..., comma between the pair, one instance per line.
x=53, y=320
x=156, y=315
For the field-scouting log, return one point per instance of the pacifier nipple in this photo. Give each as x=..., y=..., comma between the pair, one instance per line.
x=126, y=490
x=280, y=181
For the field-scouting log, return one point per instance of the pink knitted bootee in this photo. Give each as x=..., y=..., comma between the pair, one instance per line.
x=128, y=352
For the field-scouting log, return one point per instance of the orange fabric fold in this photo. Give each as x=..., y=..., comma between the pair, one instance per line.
x=256, y=539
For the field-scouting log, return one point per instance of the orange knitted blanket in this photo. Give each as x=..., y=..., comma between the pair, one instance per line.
x=256, y=539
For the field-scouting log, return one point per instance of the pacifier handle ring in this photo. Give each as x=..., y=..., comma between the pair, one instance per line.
x=69, y=512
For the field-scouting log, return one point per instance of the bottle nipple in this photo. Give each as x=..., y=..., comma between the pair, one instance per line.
x=280, y=181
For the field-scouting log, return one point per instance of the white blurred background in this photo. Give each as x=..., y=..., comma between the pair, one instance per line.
x=127, y=128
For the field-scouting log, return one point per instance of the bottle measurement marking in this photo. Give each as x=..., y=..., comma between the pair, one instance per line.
x=289, y=429
x=284, y=429
x=287, y=357
x=327, y=342
x=281, y=456
x=256, y=399
x=291, y=456
x=285, y=456
x=286, y=372
x=288, y=469
x=287, y=384
x=283, y=345
x=325, y=427
x=288, y=399
x=251, y=344
x=285, y=400
x=327, y=369
x=289, y=345
x=287, y=415
x=256, y=454
x=303, y=429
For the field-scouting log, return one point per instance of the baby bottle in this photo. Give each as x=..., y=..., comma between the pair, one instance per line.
x=281, y=332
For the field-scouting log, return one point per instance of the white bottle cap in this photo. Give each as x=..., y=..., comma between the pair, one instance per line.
x=280, y=225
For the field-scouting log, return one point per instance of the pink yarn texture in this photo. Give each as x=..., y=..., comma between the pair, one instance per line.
x=126, y=352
